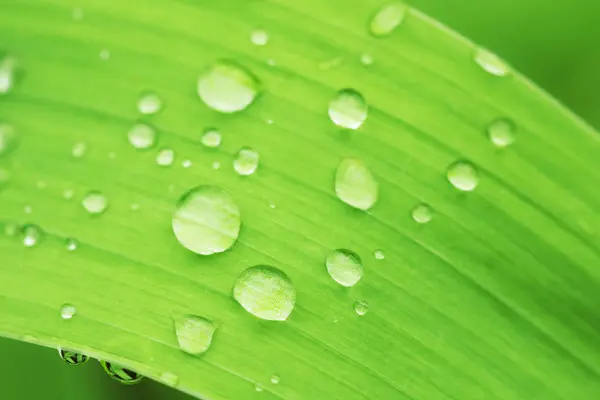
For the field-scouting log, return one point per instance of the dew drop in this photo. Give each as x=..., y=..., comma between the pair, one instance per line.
x=72, y=357
x=348, y=109
x=227, y=87
x=8, y=138
x=95, y=203
x=68, y=194
x=275, y=379
x=366, y=59
x=265, y=292
x=186, y=163
x=165, y=157
x=422, y=213
x=149, y=103
x=246, y=161
x=67, y=311
x=142, y=136
x=194, y=334
x=79, y=149
x=387, y=19
x=211, y=138
x=216, y=165
x=32, y=235
x=491, y=63
x=344, y=266
x=27, y=209
x=120, y=374
x=206, y=220
x=71, y=244
x=502, y=132
x=258, y=387
x=379, y=254
x=7, y=74
x=259, y=37
x=361, y=307
x=463, y=176
x=355, y=185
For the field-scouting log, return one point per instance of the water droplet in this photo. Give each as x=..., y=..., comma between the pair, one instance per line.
x=4, y=177
x=71, y=244
x=7, y=74
x=259, y=37
x=73, y=358
x=348, y=109
x=227, y=87
x=211, y=138
x=186, y=163
x=149, y=103
x=366, y=59
x=491, y=63
x=95, y=203
x=246, y=161
x=194, y=334
x=258, y=387
x=344, y=266
x=361, y=307
x=265, y=292
x=8, y=138
x=104, y=54
x=216, y=165
x=142, y=136
x=355, y=185
x=387, y=19
x=31, y=234
x=463, y=176
x=68, y=194
x=422, y=213
x=206, y=220
x=165, y=157
x=379, y=254
x=120, y=374
x=272, y=205
x=275, y=379
x=67, y=311
x=169, y=379
x=27, y=209
x=79, y=149
x=502, y=132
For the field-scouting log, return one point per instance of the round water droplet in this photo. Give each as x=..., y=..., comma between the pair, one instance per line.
x=265, y=292
x=165, y=157
x=149, y=103
x=104, y=54
x=502, y=132
x=71, y=244
x=79, y=149
x=387, y=19
x=31, y=234
x=355, y=185
x=8, y=138
x=7, y=74
x=67, y=311
x=95, y=203
x=422, y=213
x=379, y=254
x=366, y=59
x=142, y=136
x=227, y=87
x=463, y=176
x=361, y=307
x=169, y=379
x=211, y=138
x=246, y=161
x=275, y=379
x=344, y=266
x=206, y=220
x=491, y=63
x=258, y=387
x=194, y=334
x=348, y=109
x=73, y=358
x=120, y=374
x=259, y=37
x=186, y=163
x=216, y=165
x=68, y=194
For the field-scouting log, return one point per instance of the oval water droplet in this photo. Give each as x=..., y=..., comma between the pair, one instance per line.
x=355, y=185
x=258, y=387
x=422, y=213
x=165, y=157
x=463, y=176
x=120, y=374
x=8, y=138
x=502, y=132
x=71, y=244
x=275, y=379
x=348, y=109
x=387, y=19
x=149, y=103
x=79, y=149
x=95, y=203
x=32, y=235
x=379, y=254
x=265, y=292
x=206, y=220
x=7, y=74
x=259, y=37
x=246, y=161
x=227, y=87
x=194, y=334
x=73, y=358
x=491, y=63
x=142, y=136
x=211, y=138
x=67, y=311
x=361, y=307
x=344, y=266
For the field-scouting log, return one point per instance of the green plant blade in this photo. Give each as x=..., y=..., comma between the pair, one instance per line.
x=495, y=298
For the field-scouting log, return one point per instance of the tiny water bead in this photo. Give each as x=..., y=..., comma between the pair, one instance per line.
x=355, y=185
x=259, y=37
x=491, y=63
x=211, y=138
x=120, y=374
x=68, y=194
x=348, y=109
x=67, y=311
x=194, y=334
x=71, y=244
x=275, y=379
x=387, y=19
x=265, y=292
x=165, y=157
x=227, y=87
x=216, y=165
x=31, y=234
x=344, y=266
x=502, y=132
x=72, y=357
x=7, y=74
x=258, y=387
x=27, y=209
x=186, y=163
x=361, y=307
x=79, y=149
x=206, y=220
x=422, y=213
x=379, y=254
x=246, y=161
x=366, y=59
x=142, y=136
x=149, y=103
x=8, y=138
x=463, y=176
x=95, y=203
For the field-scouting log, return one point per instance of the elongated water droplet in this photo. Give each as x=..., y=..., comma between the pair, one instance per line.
x=149, y=103
x=355, y=185
x=79, y=149
x=275, y=379
x=344, y=266
x=211, y=138
x=387, y=19
x=7, y=74
x=259, y=37
x=246, y=161
x=32, y=235
x=120, y=374
x=422, y=213
x=502, y=132
x=142, y=136
x=379, y=254
x=71, y=244
x=165, y=157
x=206, y=220
x=8, y=138
x=265, y=292
x=67, y=311
x=194, y=334
x=348, y=109
x=95, y=203
x=361, y=307
x=463, y=176
x=491, y=63
x=227, y=87
x=73, y=358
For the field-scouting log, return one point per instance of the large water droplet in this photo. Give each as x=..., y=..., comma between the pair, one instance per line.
x=259, y=37
x=246, y=161
x=211, y=138
x=95, y=203
x=206, y=220
x=361, y=307
x=8, y=138
x=142, y=136
x=79, y=149
x=194, y=334
x=502, y=132
x=149, y=103
x=165, y=157
x=344, y=266
x=422, y=213
x=120, y=374
x=355, y=185
x=73, y=358
x=67, y=311
x=7, y=74
x=32, y=235
x=463, y=176
x=387, y=19
x=227, y=87
x=348, y=109
x=266, y=292
x=491, y=63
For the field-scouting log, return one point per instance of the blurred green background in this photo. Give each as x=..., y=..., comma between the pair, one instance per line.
x=555, y=43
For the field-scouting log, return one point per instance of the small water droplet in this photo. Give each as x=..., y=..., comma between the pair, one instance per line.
x=8, y=138
x=169, y=379
x=77, y=13
x=344, y=266
x=491, y=63
x=120, y=374
x=348, y=109
x=186, y=163
x=31, y=234
x=246, y=161
x=272, y=205
x=194, y=334
x=71, y=244
x=149, y=103
x=95, y=203
x=67, y=311
x=275, y=379
x=211, y=138
x=27, y=209
x=206, y=220
x=68, y=194
x=227, y=87
x=265, y=292
x=502, y=132
x=104, y=54
x=355, y=185
x=387, y=19
x=79, y=149
x=422, y=213
x=142, y=136
x=379, y=254
x=463, y=176
x=165, y=157
x=258, y=387
x=216, y=165
x=259, y=37
x=7, y=74
x=361, y=307
x=73, y=358
x=366, y=59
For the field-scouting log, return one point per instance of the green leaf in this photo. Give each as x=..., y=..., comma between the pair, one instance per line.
x=496, y=297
